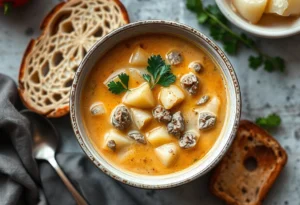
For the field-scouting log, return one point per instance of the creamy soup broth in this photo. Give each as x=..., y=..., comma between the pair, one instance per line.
x=142, y=158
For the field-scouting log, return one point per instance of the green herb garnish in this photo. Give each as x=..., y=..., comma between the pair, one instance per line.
x=271, y=121
x=119, y=87
x=212, y=17
x=7, y=7
x=160, y=72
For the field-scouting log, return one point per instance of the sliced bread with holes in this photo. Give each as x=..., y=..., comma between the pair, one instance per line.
x=250, y=167
x=50, y=61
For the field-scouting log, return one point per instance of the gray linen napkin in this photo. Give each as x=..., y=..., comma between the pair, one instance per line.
x=18, y=170
x=20, y=181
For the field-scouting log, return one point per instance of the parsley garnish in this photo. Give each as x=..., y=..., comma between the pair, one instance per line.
x=118, y=87
x=271, y=121
x=212, y=17
x=160, y=72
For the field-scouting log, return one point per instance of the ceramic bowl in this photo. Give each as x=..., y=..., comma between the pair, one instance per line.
x=221, y=145
x=278, y=28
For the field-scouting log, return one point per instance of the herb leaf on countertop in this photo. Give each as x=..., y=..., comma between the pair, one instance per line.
x=117, y=87
x=160, y=72
x=271, y=121
x=213, y=18
x=255, y=62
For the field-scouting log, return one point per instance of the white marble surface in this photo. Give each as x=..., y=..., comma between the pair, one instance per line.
x=262, y=93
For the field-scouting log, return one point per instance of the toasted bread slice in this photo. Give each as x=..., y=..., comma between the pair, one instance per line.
x=50, y=61
x=248, y=170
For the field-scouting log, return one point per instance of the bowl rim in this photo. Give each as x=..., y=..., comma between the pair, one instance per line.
x=236, y=93
x=242, y=24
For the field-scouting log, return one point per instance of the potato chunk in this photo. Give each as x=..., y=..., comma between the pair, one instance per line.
x=120, y=140
x=140, y=117
x=140, y=97
x=171, y=96
x=251, y=10
x=167, y=154
x=139, y=57
x=283, y=7
x=277, y=6
x=293, y=8
x=126, y=154
x=159, y=136
x=136, y=76
x=214, y=105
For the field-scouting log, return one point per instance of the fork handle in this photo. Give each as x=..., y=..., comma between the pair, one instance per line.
x=78, y=198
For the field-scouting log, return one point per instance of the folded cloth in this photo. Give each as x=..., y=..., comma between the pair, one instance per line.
x=20, y=180
x=18, y=170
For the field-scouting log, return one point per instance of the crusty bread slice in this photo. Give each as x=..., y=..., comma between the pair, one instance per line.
x=248, y=170
x=50, y=61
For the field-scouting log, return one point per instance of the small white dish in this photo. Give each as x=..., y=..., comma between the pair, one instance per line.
x=280, y=27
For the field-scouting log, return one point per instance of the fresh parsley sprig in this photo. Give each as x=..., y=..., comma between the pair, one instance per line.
x=212, y=17
x=271, y=121
x=160, y=72
x=118, y=87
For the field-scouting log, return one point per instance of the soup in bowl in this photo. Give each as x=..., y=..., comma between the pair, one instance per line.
x=155, y=104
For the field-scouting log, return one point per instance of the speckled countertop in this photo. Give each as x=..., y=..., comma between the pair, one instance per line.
x=262, y=94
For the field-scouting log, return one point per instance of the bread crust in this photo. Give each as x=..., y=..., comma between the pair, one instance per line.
x=123, y=11
x=58, y=112
x=260, y=136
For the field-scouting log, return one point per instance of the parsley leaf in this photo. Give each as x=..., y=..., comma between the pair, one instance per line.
x=167, y=80
x=212, y=17
x=160, y=72
x=249, y=41
x=147, y=78
x=279, y=64
x=271, y=121
x=202, y=18
x=255, y=62
x=194, y=5
x=231, y=46
x=270, y=64
x=124, y=79
x=119, y=87
x=155, y=62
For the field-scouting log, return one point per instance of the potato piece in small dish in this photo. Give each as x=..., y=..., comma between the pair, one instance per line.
x=251, y=10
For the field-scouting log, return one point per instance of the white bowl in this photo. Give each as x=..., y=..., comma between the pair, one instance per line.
x=276, y=30
x=221, y=145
